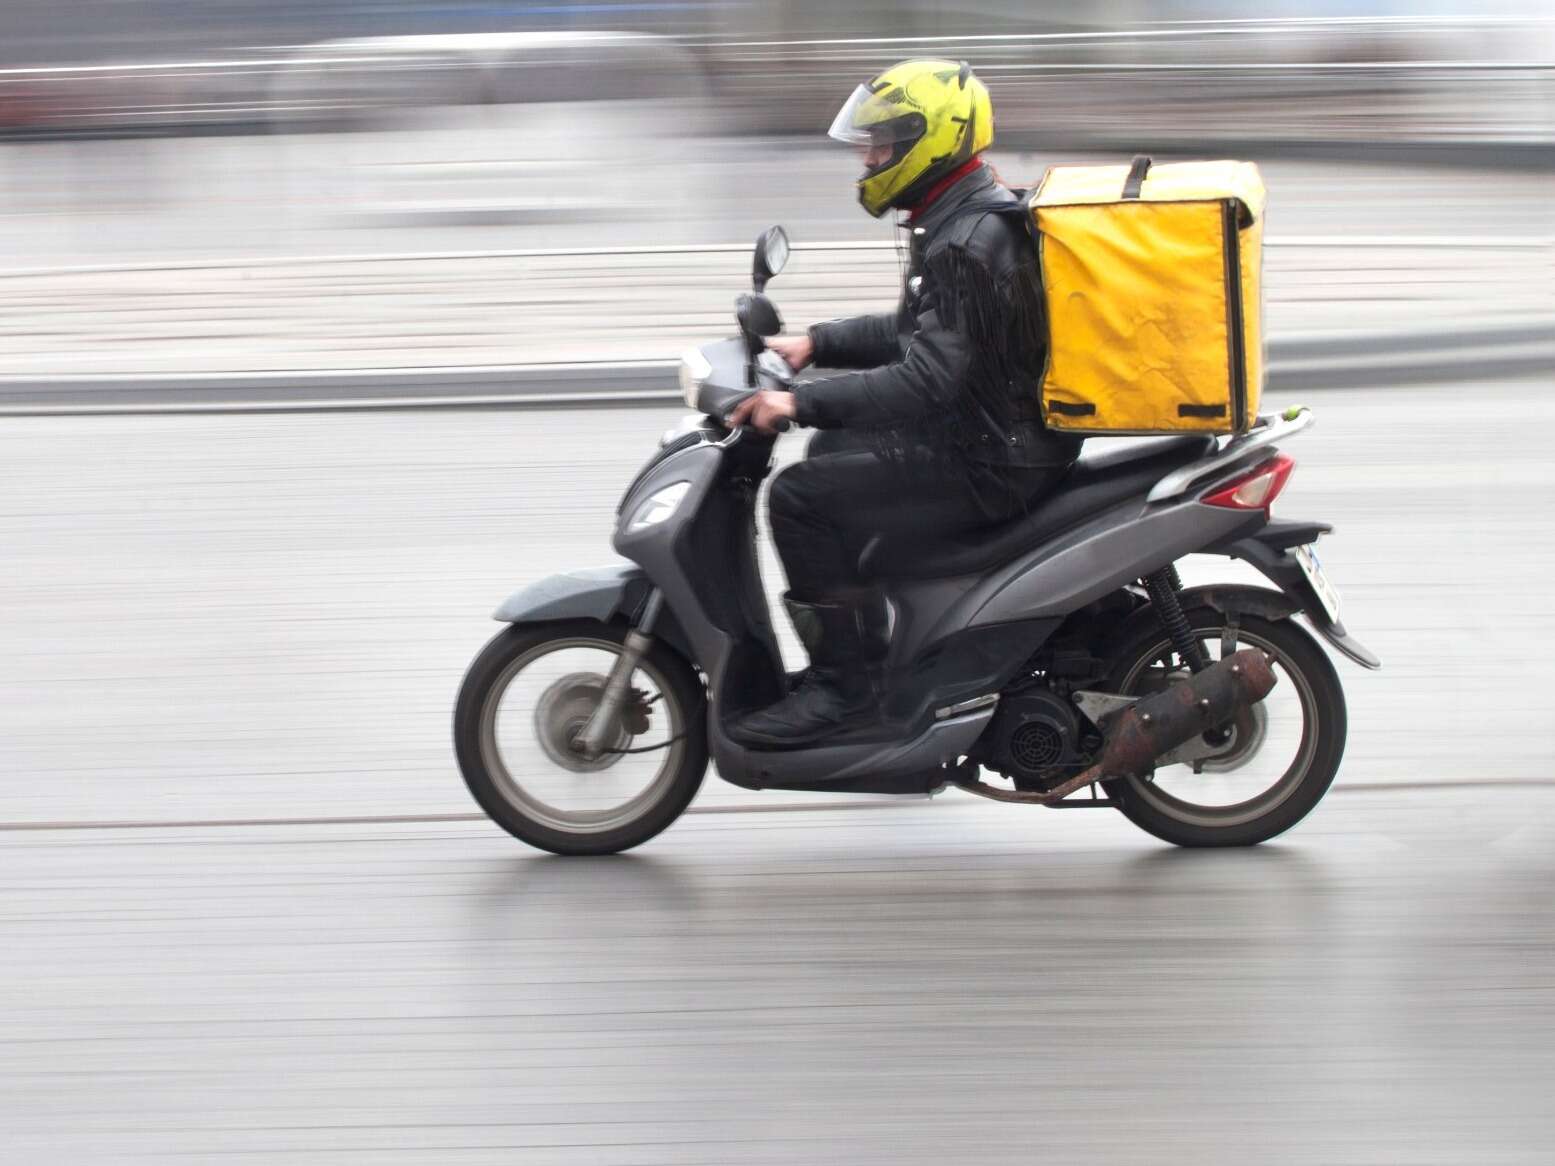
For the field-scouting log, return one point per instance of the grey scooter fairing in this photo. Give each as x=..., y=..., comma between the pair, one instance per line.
x=600, y=593
x=614, y=593
x=954, y=640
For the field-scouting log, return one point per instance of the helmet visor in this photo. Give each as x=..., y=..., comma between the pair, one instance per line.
x=868, y=119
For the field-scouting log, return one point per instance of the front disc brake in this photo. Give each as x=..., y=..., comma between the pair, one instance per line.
x=562, y=714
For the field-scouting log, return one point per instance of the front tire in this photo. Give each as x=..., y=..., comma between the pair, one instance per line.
x=1179, y=806
x=511, y=733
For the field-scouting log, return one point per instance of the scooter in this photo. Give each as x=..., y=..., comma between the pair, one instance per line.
x=1056, y=660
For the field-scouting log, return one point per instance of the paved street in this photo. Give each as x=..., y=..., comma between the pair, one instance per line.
x=261, y=616
x=266, y=617
x=926, y=983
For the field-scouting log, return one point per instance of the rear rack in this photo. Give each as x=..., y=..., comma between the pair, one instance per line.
x=1268, y=432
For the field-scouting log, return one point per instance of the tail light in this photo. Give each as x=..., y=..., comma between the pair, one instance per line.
x=1257, y=489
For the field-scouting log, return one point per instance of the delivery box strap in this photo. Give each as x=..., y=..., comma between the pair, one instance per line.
x=1071, y=408
x=1135, y=182
x=1087, y=409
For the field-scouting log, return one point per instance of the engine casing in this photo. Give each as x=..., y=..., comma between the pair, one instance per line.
x=1033, y=739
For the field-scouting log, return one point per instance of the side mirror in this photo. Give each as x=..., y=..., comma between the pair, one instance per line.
x=771, y=255
x=757, y=315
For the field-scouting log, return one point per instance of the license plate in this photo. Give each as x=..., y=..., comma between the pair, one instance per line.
x=1312, y=568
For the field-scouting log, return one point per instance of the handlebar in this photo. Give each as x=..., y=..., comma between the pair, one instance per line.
x=724, y=375
x=781, y=425
x=771, y=373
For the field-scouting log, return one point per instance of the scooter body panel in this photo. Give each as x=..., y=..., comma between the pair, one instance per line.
x=910, y=766
x=1111, y=549
x=953, y=640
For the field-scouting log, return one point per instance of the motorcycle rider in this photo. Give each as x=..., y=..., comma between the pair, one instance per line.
x=936, y=432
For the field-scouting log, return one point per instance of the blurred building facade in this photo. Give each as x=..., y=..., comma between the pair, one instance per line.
x=1119, y=70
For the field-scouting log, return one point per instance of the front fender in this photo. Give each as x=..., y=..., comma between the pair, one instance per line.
x=599, y=593
x=607, y=594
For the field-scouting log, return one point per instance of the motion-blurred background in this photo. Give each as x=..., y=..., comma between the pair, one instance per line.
x=165, y=129
x=236, y=186
x=259, y=262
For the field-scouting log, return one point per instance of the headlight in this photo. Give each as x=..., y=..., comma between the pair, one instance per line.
x=694, y=369
x=657, y=507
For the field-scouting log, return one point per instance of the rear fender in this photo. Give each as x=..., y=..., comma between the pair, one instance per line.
x=1271, y=554
x=1228, y=599
x=613, y=594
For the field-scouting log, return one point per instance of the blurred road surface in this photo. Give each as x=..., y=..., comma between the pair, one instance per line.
x=954, y=982
x=268, y=616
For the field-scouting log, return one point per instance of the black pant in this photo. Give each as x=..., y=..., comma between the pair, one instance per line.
x=826, y=509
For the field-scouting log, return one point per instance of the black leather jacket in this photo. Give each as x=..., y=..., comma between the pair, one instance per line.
x=955, y=368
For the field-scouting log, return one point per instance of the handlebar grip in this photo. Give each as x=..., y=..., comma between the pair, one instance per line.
x=782, y=425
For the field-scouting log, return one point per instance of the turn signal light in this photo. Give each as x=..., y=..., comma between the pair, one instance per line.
x=1257, y=489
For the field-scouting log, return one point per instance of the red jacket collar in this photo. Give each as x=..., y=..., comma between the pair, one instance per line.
x=940, y=187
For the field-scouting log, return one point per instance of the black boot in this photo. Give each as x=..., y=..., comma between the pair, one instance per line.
x=840, y=690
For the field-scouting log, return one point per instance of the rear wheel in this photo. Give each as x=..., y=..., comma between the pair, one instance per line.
x=526, y=698
x=1259, y=776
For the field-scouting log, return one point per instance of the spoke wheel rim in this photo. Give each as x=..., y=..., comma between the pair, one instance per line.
x=578, y=821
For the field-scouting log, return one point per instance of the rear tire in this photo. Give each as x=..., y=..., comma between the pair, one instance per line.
x=506, y=797
x=1308, y=670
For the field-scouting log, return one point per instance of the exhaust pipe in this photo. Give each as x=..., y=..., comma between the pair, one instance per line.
x=1149, y=728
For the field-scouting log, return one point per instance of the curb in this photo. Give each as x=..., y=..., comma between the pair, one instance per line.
x=1300, y=363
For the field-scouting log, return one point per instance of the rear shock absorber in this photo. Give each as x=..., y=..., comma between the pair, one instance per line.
x=1163, y=586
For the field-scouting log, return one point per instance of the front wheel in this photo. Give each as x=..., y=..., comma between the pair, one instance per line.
x=524, y=701
x=1262, y=774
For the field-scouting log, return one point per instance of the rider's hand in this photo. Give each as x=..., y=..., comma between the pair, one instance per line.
x=799, y=350
x=763, y=410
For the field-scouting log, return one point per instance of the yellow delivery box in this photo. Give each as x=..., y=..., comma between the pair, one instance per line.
x=1153, y=280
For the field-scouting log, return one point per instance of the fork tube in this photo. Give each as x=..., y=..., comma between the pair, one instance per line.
x=602, y=725
x=651, y=609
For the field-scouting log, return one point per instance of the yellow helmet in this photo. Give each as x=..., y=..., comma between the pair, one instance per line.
x=933, y=114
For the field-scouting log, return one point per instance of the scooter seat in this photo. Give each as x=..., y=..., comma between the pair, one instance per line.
x=1094, y=483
